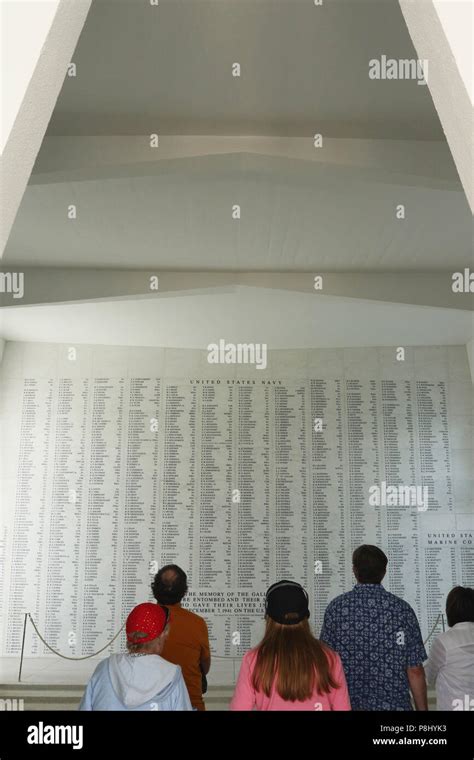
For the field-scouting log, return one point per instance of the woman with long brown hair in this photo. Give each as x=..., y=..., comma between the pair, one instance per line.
x=290, y=669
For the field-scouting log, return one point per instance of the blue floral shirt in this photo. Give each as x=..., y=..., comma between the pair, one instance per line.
x=377, y=637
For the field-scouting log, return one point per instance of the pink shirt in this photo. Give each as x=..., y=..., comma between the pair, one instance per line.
x=246, y=698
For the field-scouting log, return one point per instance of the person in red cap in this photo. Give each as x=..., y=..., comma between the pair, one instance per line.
x=139, y=679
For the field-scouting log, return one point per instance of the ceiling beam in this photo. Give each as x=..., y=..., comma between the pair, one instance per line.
x=72, y=158
x=443, y=48
x=39, y=40
x=46, y=285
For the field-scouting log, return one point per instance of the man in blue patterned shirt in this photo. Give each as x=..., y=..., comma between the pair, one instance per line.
x=378, y=639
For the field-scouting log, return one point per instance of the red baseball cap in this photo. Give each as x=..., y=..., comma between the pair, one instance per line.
x=146, y=618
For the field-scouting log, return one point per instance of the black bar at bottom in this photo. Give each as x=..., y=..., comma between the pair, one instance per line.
x=247, y=735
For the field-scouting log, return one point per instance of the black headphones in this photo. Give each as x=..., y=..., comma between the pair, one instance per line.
x=282, y=584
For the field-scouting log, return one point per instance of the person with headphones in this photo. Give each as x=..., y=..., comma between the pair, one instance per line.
x=290, y=669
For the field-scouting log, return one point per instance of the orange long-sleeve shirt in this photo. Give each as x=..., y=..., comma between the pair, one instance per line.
x=186, y=645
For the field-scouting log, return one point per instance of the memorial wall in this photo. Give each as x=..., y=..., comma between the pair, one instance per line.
x=119, y=460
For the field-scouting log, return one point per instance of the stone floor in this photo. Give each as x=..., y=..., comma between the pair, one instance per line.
x=55, y=684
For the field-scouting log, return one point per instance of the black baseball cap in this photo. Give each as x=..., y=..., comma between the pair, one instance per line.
x=286, y=602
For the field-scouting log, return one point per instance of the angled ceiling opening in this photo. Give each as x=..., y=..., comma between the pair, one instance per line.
x=167, y=70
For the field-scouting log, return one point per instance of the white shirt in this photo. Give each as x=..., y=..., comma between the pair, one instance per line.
x=451, y=666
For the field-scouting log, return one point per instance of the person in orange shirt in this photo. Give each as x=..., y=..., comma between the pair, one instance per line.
x=187, y=644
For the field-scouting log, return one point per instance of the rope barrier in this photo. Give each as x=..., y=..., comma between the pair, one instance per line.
x=215, y=657
x=65, y=657
x=433, y=629
x=89, y=656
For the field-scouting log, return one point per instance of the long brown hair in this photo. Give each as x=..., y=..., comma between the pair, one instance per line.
x=298, y=661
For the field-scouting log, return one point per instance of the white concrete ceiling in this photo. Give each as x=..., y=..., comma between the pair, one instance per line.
x=167, y=68
x=295, y=215
x=239, y=314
